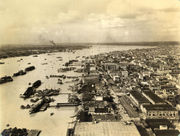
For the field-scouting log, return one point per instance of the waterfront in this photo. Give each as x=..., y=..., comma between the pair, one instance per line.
x=10, y=102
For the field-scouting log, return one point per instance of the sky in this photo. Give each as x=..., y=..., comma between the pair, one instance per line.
x=38, y=21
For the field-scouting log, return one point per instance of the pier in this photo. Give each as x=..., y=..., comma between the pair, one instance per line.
x=66, y=104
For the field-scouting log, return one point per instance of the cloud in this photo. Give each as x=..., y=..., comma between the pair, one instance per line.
x=88, y=20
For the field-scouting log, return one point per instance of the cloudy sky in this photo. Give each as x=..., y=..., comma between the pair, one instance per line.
x=38, y=21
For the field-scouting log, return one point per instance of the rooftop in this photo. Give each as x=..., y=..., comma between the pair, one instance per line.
x=166, y=132
x=155, y=123
x=105, y=129
x=139, y=97
x=153, y=97
x=161, y=107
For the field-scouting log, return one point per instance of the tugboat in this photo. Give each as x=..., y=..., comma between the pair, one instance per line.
x=30, y=68
x=6, y=79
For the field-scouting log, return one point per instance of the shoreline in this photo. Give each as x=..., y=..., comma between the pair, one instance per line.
x=10, y=52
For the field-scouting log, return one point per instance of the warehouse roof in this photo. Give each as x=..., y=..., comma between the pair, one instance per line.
x=139, y=97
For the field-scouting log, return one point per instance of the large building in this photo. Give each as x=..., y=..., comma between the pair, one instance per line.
x=105, y=129
x=156, y=111
x=166, y=133
x=159, y=124
x=138, y=98
x=153, y=98
x=111, y=66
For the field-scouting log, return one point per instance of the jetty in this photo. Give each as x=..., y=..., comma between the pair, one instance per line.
x=66, y=105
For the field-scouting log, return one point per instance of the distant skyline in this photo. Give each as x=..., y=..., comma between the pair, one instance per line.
x=39, y=21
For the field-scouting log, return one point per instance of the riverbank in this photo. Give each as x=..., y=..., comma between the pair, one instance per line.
x=17, y=51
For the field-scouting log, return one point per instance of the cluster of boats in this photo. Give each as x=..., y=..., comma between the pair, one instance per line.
x=70, y=62
x=31, y=90
x=42, y=101
x=40, y=105
x=40, y=98
x=23, y=72
x=66, y=69
x=6, y=79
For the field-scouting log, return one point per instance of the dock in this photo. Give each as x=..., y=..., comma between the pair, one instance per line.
x=66, y=104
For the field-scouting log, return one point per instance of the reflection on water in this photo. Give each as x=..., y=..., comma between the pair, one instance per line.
x=10, y=112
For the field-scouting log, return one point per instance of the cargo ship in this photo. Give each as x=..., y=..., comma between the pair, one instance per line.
x=31, y=90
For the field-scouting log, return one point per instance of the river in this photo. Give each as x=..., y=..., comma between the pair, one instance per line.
x=10, y=102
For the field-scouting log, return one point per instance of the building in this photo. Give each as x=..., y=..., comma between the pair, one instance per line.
x=159, y=124
x=166, y=133
x=138, y=98
x=111, y=66
x=124, y=73
x=162, y=111
x=153, y=98
x=105, y=129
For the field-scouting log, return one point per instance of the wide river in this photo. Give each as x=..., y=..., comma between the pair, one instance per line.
x=10, y=102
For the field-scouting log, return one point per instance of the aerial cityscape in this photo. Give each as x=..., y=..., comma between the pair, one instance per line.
x=90, y=68
x=128, y=90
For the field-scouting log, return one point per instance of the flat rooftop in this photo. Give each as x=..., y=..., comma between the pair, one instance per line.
x=166, y=132
x=153, y=97
x=105, y=129
x=155, y=123
x=139, y=97
x=160, y=107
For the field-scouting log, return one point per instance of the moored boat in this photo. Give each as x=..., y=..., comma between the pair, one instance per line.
x=5, y=79
x=21, y=72
x=36, y=84
x=29, y=68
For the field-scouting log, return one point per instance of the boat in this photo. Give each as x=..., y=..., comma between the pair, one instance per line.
x=36, y=84
x=44, y=63
x=6, y=79
x=48, y=92
x=66, y=69
x=30, y=91
x=29, y=68
x=21, y=72
x=59, y=81
x=35, y=108
x=40, y=105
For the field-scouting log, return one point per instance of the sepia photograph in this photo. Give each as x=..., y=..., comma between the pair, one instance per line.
x=89, y=67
